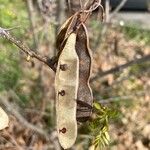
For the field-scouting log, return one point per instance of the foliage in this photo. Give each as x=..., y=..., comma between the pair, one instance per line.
x=10, y=70
x=9, y=16
x=99, y=125
x=135, y=32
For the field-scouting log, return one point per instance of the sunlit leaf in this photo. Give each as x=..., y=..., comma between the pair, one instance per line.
x=97, y=106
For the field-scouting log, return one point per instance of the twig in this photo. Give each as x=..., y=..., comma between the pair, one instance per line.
x=60, y=15
x=32, y=21
x=22, y=120
x=81, y=4
x=69, y=6
x=4, y=33
x=38, y=112
x=9, y=29
x=14, y=111
x=122, y=3
x=122, y=67
x=13, y=140
x=107, y=8
x=108, y=18
x=124, y=97
x=130, y=75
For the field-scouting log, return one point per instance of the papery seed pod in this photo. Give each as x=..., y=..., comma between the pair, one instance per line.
x=62, y=32
x=66, y=85
x=65, y=30
x=4, y=120
x=85, y=96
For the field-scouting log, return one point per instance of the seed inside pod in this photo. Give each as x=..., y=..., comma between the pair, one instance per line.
x=62, y=93
x=63, y=67
x=63, y=130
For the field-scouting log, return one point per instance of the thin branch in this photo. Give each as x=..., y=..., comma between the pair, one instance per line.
x=60, y=15
x=124, y=97
x=121, y=67
x=81, y=4
x=121, y=4
x=32, y=21
x=107, y=9
x=69, y=6
x=13, y=109
x=130, y=75
x=9, y=29
x=13, y=139
x=22, y=120
x=4, y=33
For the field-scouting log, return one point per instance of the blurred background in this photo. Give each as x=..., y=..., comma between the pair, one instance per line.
x=120, y=78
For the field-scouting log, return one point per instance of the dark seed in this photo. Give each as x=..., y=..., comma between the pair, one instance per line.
x=62, y=92
x=63, y=67
x=63, y=130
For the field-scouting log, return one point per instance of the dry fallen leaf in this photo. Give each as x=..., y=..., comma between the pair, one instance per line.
x=4, y=120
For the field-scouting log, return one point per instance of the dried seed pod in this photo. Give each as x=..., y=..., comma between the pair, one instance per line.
x=66, y=85
x=65, y=30
x=4, y=120
x=84, y=97
x=62, y=32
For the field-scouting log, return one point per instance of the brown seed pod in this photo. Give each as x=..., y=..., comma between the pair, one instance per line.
x=84, y=96
x=65, y=30
x=66, y=86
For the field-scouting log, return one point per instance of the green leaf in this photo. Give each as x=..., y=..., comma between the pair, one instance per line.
x=100, y=125
x=97, y=106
